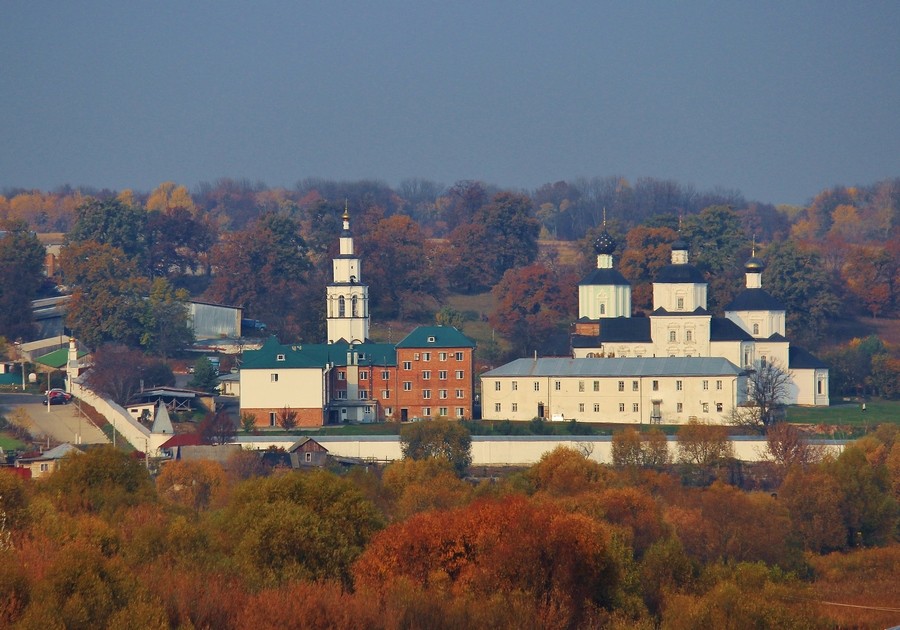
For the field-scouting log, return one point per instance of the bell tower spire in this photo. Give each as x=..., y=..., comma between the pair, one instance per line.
x=347, y=307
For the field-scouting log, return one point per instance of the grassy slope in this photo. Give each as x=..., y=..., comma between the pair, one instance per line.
x=8, y=443
x=848, y=414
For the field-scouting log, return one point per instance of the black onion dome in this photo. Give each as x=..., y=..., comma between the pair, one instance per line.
x=754, y=264
x=604, y=244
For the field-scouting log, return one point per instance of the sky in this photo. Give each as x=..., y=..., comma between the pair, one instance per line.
x=777, y=100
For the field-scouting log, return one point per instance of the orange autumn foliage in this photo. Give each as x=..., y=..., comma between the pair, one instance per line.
x=511, y=545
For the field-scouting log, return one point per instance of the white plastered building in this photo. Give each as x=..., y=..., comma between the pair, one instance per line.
x=751, y=333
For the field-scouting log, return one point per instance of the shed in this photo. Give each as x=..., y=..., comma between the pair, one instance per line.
x=214, y=321
x=307, y=452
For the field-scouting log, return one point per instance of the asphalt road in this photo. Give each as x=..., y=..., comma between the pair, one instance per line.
x=62, y=423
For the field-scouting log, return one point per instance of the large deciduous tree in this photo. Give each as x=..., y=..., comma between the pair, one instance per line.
x=165, y=322
x=442, y=439
x=399, y=268
x=22, y=261
x=717, y=239
x=797, y=277
x=299, y=526
x=534, y=305
x=873, y=277
x=264, y=269
x=111, y=222
x=101, y=480
x=703, y=444
x=178, y=242
x=116, y=372
x=501, y=235
x=108, y=294
x=565, y=563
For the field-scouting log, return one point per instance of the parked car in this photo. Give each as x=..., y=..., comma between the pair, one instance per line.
x=60, y=392
x=57, y=396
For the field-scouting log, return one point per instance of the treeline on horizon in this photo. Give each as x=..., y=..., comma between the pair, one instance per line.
x=566, y=209
x=269, y=251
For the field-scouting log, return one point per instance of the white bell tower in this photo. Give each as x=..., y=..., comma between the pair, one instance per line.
x=347, y=308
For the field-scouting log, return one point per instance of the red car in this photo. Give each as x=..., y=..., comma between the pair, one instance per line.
x=57, y=397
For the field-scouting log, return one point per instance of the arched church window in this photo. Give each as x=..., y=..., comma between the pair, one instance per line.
x=672, y=336
x=680, y=304
x=688, y=335
x=755, y=329
x=353, y=306
x=342, y=306
x=603, y=309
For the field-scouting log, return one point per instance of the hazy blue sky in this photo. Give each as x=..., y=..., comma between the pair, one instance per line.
x=776, y=99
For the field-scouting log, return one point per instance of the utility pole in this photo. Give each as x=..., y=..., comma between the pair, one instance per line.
x=18, y=344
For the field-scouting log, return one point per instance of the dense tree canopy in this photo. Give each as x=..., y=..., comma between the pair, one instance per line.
x=501, y=235
x=535, y=305
x=22, y=260
x=263, y=269
x=442, y=439
x=796, y=276
x=108, y=294
x=112, y=222
x=400, y=268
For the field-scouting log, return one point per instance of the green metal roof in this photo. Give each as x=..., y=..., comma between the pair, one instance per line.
x=273, y=354
x=58, y=358
x=436, y=337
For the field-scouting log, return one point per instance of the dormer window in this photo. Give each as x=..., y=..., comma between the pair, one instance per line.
x=680, y=304
x=279, y=357
x=431, y=340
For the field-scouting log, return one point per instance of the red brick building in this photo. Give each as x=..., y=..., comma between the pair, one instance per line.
x=435, y=370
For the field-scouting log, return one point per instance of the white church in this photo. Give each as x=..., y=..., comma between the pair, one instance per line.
x=676, y=364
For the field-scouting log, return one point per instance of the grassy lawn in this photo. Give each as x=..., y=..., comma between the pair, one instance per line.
x=848, y=414
x=8, y=443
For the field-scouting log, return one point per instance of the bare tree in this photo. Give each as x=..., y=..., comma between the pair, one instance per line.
x=116, y=372
x=768, y=390
x=786, y=446
x=287, y=418
x=217, y=428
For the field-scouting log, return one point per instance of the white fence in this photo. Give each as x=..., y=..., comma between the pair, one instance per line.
x=501, y=450
x=125, y=425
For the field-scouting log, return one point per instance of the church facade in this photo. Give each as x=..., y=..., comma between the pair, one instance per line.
x=689, y=362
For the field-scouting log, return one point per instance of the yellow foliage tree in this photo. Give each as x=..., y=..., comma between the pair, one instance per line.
x=194, y=484
x=169, y=195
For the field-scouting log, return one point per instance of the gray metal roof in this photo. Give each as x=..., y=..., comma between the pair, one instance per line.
x=645, y=366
